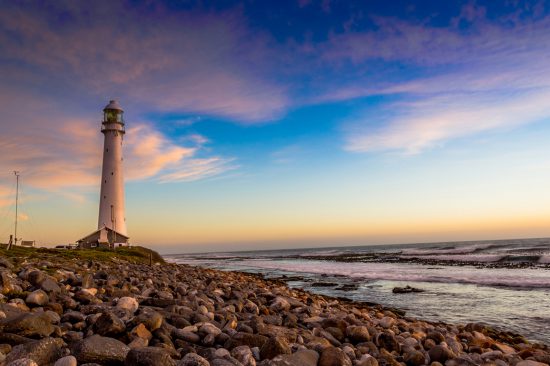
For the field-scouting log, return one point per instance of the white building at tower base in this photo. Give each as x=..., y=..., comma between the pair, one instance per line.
x=111, y=227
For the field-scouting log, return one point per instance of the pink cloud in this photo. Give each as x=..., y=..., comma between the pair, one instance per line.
x=194, y=62
x=61, y=154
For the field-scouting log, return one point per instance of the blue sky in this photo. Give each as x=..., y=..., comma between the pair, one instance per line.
x=280, y=124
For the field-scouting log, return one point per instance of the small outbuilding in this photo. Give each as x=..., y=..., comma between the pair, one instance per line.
x=104, y=237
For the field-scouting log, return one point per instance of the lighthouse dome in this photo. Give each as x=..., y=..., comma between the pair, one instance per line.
x=113, y=105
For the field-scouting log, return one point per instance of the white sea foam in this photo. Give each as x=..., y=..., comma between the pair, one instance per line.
x=527, y=278
x=485, y=258
x=466, y=249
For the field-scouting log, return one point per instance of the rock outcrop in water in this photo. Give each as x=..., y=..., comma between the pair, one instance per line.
x=58, y=312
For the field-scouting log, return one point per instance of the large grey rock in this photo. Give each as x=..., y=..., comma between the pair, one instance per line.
x=280, y=304
x=66, y=361
x=414, y=358
x=35, y=277
x=388, y=341
x=37, y=298
x=225, y=362
x=101, y=350
x=150, y=318
x=333, y=356
x=245, y=339
x=4, y=262
x=50, y=285
x=192, y=359
x=149, y=356
x=244, y=355
x=7, y=282
x=440, y=353
x=358, y=333
x=530, y=363
x=43, y=352
x=108, y=324
x=186, y=335
x=34, y=325
x=367, y=360
x=306, y=357
x=128, y=303
x=274, y=346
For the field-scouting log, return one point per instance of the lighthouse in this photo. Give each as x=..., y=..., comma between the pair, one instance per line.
x=111, y=225
x=111, y=200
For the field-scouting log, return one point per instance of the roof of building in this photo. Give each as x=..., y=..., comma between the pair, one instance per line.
x=104, y=228
x=113, y=104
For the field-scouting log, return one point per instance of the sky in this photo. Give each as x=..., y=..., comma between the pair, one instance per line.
x=279, y=124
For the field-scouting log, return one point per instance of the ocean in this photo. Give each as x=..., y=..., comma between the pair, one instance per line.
x=504, y=283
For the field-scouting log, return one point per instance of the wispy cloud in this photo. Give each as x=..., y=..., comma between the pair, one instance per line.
x=426, y=124
x=64, y=157
x=171, y=61
x=471, y=76
x=195, y=169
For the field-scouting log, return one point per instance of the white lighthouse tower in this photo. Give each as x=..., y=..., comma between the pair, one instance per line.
x=111, y=204
x=111, y=226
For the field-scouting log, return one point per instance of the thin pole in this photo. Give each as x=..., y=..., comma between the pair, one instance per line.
x=16, y=202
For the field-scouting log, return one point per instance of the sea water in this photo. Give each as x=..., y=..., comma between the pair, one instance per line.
x=505, y=284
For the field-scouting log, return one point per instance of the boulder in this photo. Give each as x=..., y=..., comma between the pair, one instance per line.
x=305, y=357
x=530, y=363
x=245, y=339
x=149, y=356
x=244, y=355
x=150, y=318
x=37, y=298
x=43, y=352
x=66, y=361
x=280, y=304
x=35, y=277
x=108, y=324
x=273, y=347
x=101, y=350
x=192, y=359
x=414, y=358
x=50, y=285
x=440, y=353
x=358, y=334
x=4, y=262
x=388, y=341
x=7, y=282
x=128, y=303
x=34, y=325
x=333, y=356
x=367, y=360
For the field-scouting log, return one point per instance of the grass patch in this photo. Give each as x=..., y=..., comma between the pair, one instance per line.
x=135, y=254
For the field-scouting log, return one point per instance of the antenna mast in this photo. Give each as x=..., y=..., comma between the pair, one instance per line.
x=16, y=203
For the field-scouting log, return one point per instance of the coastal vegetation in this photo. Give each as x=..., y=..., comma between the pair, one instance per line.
x=111, y=307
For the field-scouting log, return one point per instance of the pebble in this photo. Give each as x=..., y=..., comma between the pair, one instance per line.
x=192, y=359
x=100, y=313
x=66, y=361
x=128, y=303
x=37, y=298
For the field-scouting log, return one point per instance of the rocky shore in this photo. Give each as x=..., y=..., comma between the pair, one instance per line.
x=76, y=309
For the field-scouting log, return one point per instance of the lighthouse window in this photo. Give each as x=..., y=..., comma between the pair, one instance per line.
x=112, y=173
x=105, y=180
x=106, y=150
x=104, y=197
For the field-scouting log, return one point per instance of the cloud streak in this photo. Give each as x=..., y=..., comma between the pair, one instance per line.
x=65, y=156
x=171, y=61
x=472, y=76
